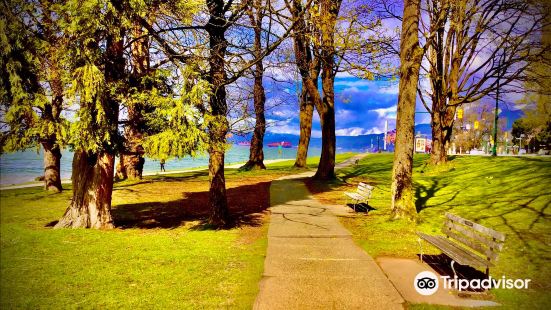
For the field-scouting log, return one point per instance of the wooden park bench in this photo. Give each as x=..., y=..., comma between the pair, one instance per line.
x=361, y=195
x=466, y=243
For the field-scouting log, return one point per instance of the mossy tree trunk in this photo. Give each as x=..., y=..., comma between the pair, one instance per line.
x=410, y=61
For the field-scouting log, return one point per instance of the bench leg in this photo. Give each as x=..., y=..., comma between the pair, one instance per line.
x=453, y=269
x=420, y=248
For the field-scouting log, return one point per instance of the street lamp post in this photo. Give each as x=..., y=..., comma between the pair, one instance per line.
x=496, y=115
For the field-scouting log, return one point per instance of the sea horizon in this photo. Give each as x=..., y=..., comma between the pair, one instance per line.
x=25, y=166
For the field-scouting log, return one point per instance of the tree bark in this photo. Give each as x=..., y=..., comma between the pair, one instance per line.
x=256, y=155
x=52, y=151
x=306, y=114
x=218, y=126
x=92, y=180
x=132, y=159
x=328, y=15
x=438, y=150
x=410, y=61
x=52, y=167
x=308, y=65
x=326, y=166
x=92, y=175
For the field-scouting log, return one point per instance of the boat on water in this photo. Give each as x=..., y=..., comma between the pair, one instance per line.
x=244, y=143
x=285, y=144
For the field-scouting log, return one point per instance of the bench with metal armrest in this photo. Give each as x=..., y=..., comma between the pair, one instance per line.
x=466, y=243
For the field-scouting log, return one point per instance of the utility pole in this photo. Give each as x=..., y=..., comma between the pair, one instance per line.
x=496, y=115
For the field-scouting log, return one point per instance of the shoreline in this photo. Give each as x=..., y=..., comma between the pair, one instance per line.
x=149, y=173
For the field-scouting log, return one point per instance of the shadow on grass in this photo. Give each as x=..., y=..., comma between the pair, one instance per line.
x=424, y=193
x=245, y=203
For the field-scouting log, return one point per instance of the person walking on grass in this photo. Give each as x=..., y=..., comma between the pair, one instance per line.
x=163, y=165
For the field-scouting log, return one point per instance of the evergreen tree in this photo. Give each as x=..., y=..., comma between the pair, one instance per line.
x=33, y=64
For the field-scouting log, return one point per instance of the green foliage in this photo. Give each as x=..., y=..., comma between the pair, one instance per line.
x=179, y=126
x=535, y=126
x=25, y=58
x=91, y=129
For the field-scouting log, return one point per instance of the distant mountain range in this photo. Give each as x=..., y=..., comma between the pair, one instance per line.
x=361, y=142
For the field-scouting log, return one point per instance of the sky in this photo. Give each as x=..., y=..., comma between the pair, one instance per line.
x=361, y=108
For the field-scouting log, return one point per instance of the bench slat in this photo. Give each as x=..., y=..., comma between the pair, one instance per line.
x=484, y=239
x=468, y=242
x=456, y=252
x=355, y=196
x=488, y=231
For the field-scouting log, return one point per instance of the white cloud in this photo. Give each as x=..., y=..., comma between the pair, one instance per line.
x=292, y=130
x=356, y=131
x=286, y=113
x=391, y=89
x=389, y=112
x=353, y=83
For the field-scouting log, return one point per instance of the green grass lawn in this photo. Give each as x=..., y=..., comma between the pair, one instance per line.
x=509, y=194
x=160, y=256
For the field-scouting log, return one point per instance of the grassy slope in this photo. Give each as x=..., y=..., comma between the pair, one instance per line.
x=511, y=195
x=161, y=257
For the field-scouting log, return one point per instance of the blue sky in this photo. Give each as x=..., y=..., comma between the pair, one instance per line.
x=361, y=107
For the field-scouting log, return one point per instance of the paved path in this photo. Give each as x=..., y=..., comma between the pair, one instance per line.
x=312, y=262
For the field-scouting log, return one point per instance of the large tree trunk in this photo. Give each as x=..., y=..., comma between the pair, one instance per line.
x=218, y=126
x=52, y=167
x=328, y=15
x=256, y=155
x=92, y=175
x=92, y=180
x=410, y=61
x=306, y=114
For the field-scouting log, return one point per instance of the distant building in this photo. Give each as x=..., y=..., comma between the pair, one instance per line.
x=422, y=143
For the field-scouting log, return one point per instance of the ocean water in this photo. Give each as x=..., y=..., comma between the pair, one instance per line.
x=21, y=167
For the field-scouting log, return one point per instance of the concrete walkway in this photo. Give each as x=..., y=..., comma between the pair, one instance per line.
x=312, y=262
